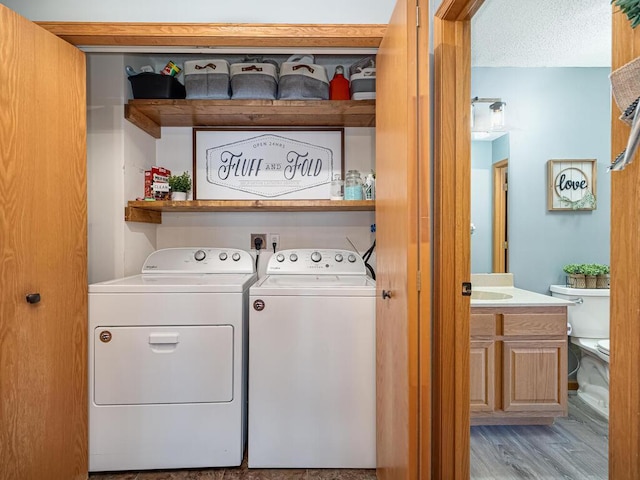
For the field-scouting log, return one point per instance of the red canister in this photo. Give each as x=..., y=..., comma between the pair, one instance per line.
x=339, y=86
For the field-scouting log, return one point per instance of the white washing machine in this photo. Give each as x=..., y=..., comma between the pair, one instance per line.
x=167, y=362
x=312, y=382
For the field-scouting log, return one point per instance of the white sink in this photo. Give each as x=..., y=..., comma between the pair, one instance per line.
x=485, y=295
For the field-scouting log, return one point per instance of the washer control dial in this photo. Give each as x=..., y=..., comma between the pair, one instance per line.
x=222, y=256
x=293, y=257
x=200, y=255
x=316, y=257
x=235, y=256
x=339, y=257
x=351, y=258
x=280, y=257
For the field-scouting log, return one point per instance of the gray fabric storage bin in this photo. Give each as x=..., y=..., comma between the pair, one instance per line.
x=301, y=79
x=254, y=81
x=363, y=84
x=207, y=79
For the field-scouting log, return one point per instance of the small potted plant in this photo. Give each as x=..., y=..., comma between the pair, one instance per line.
x=575, y=276
x=180, y=185
x=591, y=272
x=603, y=280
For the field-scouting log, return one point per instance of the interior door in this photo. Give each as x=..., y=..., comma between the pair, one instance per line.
x=43, y=253
x=402, y=314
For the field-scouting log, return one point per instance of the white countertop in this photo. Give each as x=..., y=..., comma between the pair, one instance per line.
x=502, y=284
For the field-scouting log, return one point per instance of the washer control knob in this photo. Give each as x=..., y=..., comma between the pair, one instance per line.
x=200, y=255
x=339, y=257
x=222, y=256
x=293, y=257
x=235, y=256
x=280, y=258
x=351, y=258
x=316, y=257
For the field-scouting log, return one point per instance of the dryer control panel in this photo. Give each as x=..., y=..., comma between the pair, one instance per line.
x=199, y=260
x=309, y=261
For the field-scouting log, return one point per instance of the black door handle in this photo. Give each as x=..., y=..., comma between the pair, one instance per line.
x=33, y=298
x=386, y=294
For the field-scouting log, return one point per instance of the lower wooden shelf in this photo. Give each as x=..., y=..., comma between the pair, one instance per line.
x=151, y=212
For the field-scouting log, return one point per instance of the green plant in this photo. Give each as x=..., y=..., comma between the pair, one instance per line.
x=591, y=269
x=587, y=201
x=631, y=8
x=180, y=183
x=572, y=268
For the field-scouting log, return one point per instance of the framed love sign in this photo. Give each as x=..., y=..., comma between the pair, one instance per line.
x=571, y=185
x=266, y=164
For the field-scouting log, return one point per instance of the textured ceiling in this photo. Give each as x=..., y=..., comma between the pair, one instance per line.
x=542, y=33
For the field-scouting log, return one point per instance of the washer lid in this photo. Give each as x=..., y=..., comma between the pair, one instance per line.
x=159, y=283
x=316, y=285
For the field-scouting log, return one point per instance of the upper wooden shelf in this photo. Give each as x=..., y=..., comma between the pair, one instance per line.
x=151, y=212
x=151, y=115
x=122, y=34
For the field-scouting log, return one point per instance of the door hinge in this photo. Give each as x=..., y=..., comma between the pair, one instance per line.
x=506, y=245
x=417, y=16
x=505, y=186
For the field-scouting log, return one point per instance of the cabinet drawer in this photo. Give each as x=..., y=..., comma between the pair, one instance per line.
x=482, y=325
x=552, y=324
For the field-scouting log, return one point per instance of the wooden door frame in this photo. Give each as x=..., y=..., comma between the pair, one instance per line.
x=452, y=242
x=452, y=72
x=499, y=216
x=624, y=391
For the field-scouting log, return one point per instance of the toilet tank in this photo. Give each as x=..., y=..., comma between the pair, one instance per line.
x=589, y=317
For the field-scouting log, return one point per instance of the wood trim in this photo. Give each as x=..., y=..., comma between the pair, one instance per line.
x=217, y=34
x=499, y=217
x=452, y=217
x=425, y=249
x=452, y=205
x=624, y=392
x=572, y=385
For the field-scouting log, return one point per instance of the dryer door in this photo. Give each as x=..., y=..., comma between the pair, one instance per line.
x=161, y=365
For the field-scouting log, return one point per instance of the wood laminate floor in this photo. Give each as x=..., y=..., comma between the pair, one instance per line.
x=575, y=448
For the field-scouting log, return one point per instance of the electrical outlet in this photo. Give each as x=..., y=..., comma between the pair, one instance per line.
x=274, y=238
x=262, y=236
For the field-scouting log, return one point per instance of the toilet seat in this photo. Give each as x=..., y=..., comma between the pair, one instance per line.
x=603, y=347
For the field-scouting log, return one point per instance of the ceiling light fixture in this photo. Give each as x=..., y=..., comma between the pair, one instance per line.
x=496, y=107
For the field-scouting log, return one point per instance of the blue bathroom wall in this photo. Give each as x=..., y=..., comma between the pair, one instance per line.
x=552, y=113
x=481, y=206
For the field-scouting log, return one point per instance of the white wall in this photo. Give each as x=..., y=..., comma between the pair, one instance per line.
x=210, y=11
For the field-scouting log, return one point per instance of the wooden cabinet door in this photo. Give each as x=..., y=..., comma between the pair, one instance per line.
x=482, y=376
x=403, y=255
x=535, y=376
x=43, y=237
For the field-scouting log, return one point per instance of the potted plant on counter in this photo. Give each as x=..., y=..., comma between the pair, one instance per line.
x=575, y=277
x=180, y=185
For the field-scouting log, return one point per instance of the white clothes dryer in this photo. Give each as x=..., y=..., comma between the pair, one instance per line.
x=167, y=362
x=312, y=357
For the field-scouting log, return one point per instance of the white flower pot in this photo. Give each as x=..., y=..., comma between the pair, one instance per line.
x=178, y=196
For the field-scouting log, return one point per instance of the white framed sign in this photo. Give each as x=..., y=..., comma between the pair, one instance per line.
x=267, y=164
x=571, y=185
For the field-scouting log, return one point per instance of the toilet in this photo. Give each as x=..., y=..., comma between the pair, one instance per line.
x=589, y=330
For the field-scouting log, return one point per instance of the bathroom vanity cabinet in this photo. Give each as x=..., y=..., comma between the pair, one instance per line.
x=518, y=364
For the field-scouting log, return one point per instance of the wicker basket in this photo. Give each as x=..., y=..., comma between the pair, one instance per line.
x=576, y=280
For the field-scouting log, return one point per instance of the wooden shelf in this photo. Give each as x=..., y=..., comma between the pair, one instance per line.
x=151, y=212
x=150, y=115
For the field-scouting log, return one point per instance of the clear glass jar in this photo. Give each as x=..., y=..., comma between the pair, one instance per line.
x=353, y=186
x=337, y=188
